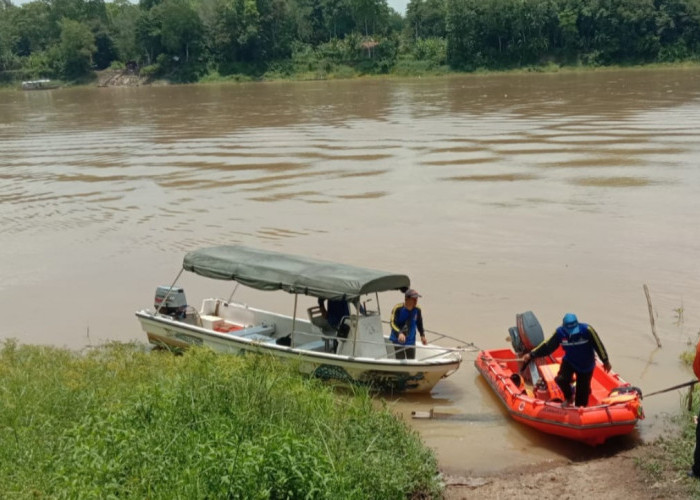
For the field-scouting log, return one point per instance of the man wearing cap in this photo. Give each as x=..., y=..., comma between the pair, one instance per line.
x=580, y=343
x=406, y=318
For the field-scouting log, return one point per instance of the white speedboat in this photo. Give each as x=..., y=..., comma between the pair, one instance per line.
x=44, y=84
x=361, y=355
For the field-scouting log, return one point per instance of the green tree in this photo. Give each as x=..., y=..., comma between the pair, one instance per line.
x=122, y=18
x=308, y=21
x=568, y=41
x=678, y=27
x=338, y=19
x=105, y=50
x=371, y=16
x=149, y=4
x=235, y=31
x=180, y=28
x=148, y=39
x=68, y=9
x=535, y=26
x=76, y=48
x=249, y=34
x=464, y=49
x=426, y=18
x=620, y=31
x=35, y=30
x=8, y=36
x=221, y=23
x=278, y=30
x=396, y=22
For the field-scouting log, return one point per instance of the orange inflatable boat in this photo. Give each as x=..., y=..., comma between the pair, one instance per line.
x=532, y=396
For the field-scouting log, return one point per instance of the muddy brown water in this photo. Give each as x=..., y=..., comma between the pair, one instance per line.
x=496, y=194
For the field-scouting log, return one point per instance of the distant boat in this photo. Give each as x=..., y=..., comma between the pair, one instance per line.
x=44, y=84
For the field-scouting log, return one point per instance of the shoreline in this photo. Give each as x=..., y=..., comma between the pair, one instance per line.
x=629, y=473
x=123, y=78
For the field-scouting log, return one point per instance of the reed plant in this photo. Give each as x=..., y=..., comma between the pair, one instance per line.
x=118, y=421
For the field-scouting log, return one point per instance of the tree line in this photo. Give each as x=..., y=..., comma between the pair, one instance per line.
x=187, y=40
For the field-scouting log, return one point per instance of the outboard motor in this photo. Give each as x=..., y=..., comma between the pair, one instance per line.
x=171, y=301
x=525, y=336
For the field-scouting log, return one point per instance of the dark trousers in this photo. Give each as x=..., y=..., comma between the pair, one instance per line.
x=696, y=454
x=583, y=383
x=404, y=352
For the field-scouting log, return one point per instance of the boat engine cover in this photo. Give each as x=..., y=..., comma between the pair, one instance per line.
x=175, y=304
x=515, y=340
x=527, y=334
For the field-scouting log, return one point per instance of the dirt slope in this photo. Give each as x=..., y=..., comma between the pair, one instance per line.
x=610, y=478
x=120, y=78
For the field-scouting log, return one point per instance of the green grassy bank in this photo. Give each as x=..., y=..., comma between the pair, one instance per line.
x=671, y=455
x=117, y=421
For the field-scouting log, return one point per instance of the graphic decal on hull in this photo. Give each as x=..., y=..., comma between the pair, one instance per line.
x=377, y=380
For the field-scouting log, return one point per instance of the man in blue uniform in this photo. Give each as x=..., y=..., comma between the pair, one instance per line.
x=406, y=319
x=334, y=312
x=580, y=343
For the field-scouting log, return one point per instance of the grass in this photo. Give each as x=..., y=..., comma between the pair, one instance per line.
x=672, y=454
x=667, y=460
x=117, y=421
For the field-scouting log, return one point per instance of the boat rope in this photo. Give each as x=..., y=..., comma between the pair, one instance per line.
x=679, y=386
x=468, y=346
x=500, y=360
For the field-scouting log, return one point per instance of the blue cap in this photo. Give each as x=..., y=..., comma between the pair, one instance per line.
x=570, y=323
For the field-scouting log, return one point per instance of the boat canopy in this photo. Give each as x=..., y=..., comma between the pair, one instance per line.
x=266, y=270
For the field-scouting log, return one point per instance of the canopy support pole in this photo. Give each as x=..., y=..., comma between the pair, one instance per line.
x=294, y=316
x=354, y=337
x=234, y=291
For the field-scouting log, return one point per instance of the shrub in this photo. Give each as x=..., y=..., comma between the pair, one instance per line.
x=150, y=70
x=122, y=422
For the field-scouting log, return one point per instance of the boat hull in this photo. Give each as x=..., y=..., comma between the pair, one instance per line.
x=39, y=85
x=614, y=406
x=385, y=375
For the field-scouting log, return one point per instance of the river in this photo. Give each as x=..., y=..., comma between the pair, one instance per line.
x=497, y=194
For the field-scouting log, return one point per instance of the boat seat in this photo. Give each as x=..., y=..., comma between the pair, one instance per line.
x=365, y=340
x=548, y=373
x=258, y=332
x=260, y=338
x=316, y=345
x=316, y=318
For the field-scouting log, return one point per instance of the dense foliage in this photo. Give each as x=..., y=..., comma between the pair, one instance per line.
x=119, y=422
x=507, y=33
x=187, y=40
